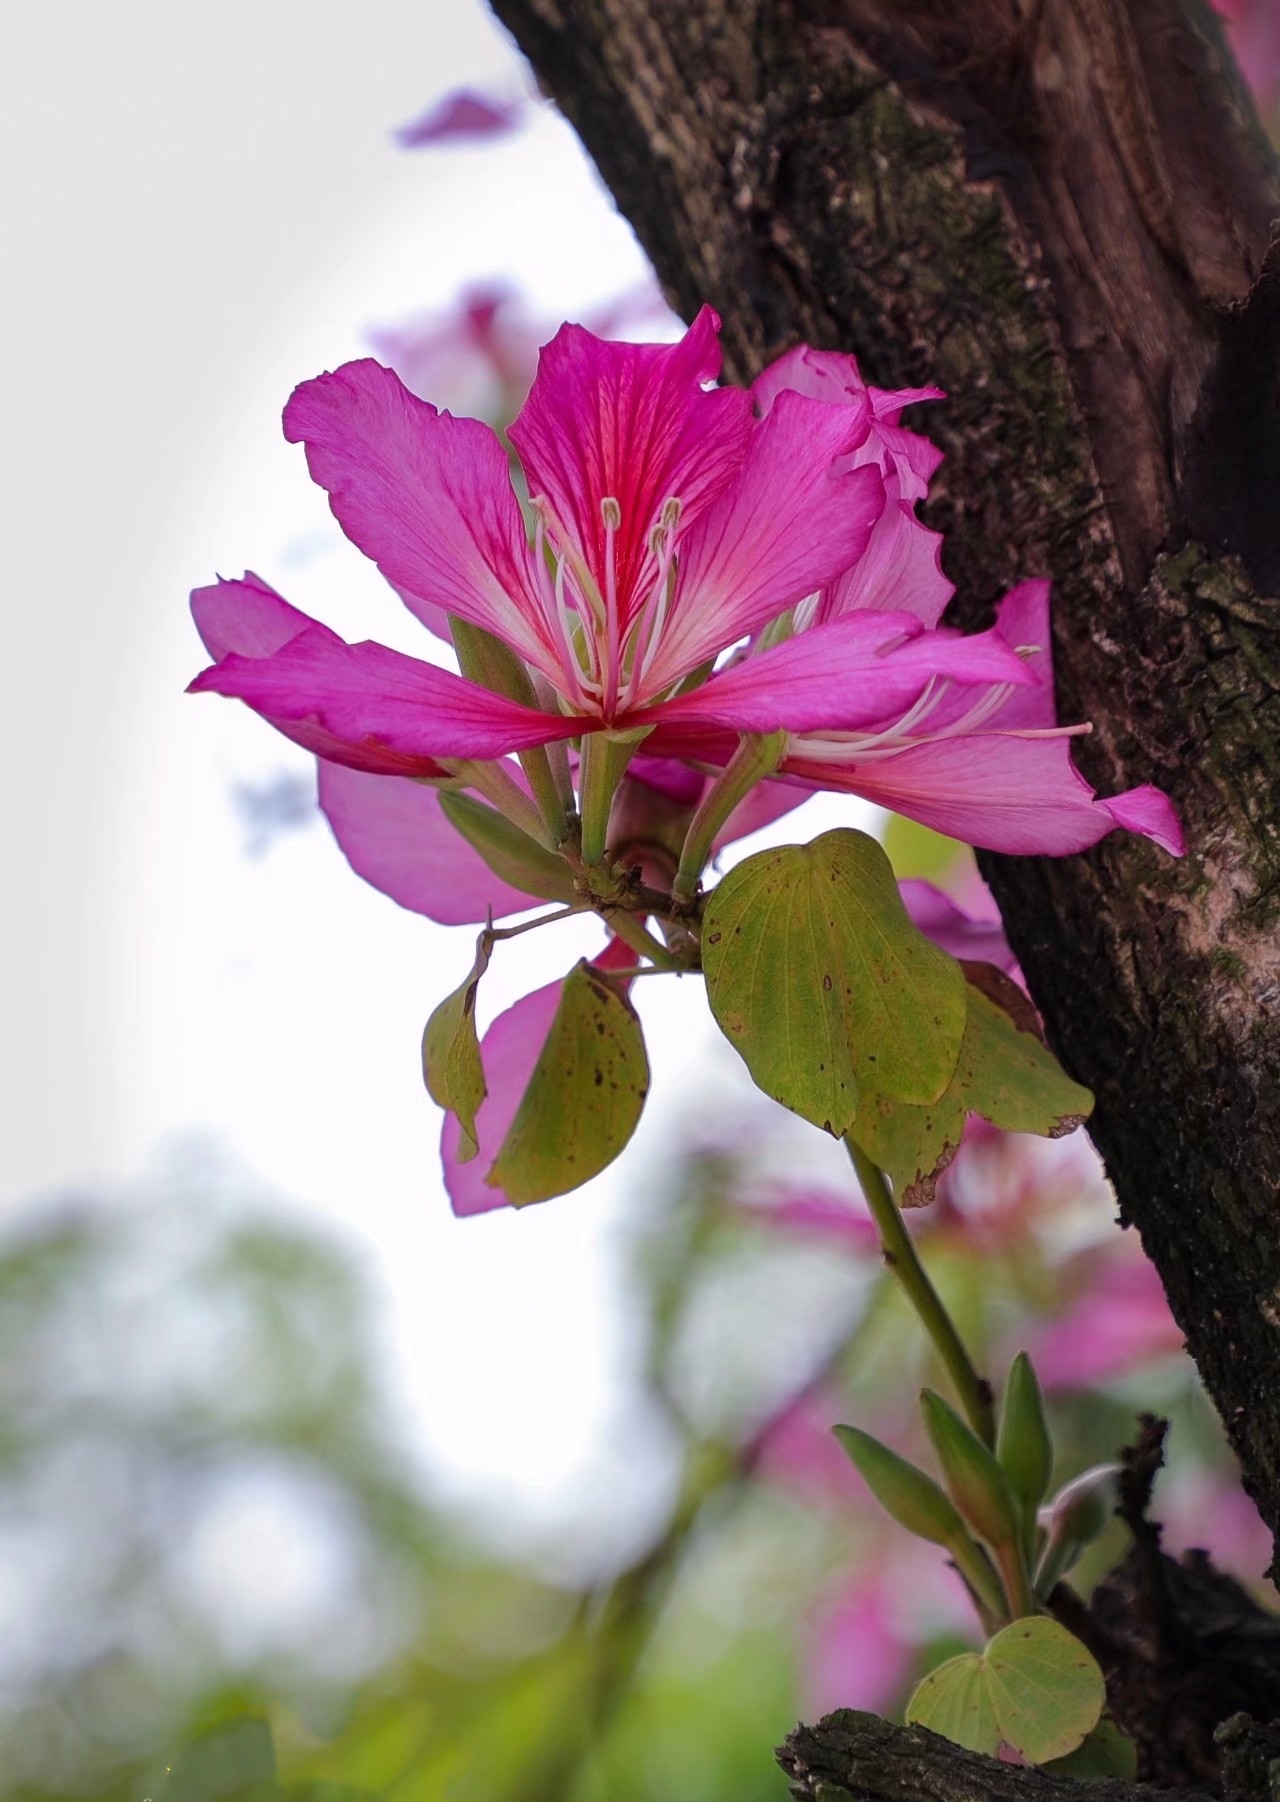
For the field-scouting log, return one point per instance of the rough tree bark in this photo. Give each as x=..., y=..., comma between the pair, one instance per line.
x=1062, y=212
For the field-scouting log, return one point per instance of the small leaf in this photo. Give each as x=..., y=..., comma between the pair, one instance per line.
x=1005, y=1073
x=975, y=1481
x=954, y=1701
x=1046, y=1688
x=912, y=1498
x=451, y=1063
x=510, y=853
x=585, y=1095
x=1106, y=1752
x=819, y=979
x=1024, y=1444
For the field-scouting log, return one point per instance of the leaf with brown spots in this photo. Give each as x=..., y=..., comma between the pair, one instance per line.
x=819, y=979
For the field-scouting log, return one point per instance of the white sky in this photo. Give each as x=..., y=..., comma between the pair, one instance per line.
x=207, y=206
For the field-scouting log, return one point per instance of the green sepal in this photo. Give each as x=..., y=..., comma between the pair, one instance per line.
x=1004, y=1073
x=510, y=853
x=585, y=1096
x=451, y=1065
x=975, y=1481
x=817, y=976
x=1024, y=1444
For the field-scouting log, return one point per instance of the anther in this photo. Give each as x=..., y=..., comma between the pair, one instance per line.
x=611, y=513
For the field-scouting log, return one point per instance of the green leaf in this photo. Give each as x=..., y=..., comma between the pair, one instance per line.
x=1005, y=1073
x=1046, y=1688
x=819, y=979
x=510, y=853
x=913, y=1499
x=234, y=1760
x=1024, y=1444
x=1034, y=1688
x=584, y=1097
x=451, y=1063
x=1106, y=1752
x=975, y=1481
x=954, y=1701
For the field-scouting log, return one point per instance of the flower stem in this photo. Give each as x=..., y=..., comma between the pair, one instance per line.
x=601, y=764
x=901, y=1257
x=757, y=756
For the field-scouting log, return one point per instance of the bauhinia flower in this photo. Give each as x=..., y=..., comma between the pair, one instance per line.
x=669, y=525
x=984, y=763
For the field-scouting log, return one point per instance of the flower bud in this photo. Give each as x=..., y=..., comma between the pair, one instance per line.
x=1024, y=1447
x=913, y=1499
x=976, y=1482
x=1076, y=1517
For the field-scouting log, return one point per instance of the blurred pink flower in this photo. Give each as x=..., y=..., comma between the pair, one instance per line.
x=1254, y=29
x=1119, y=1321
x=863, y=1643
x=464, y=114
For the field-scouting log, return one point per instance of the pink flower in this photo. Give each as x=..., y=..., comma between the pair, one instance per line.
x=1119, y=1322
x=987, y=764
x=463, y=114
x=670, y=524
x=1254, y=29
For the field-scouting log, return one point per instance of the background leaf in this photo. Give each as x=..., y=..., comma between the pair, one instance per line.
x=819, y=979
x=451, y=1062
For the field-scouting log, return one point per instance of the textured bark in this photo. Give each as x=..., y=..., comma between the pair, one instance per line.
x=1061, y=211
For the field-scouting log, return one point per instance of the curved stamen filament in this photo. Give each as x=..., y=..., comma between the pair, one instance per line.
x=852, y=747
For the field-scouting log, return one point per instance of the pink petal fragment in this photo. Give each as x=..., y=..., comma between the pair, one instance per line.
x=900, y=571
x=633, y=422
x=842, y=676
x=382, y=710
x=394, y=833
x=958, y=932
x=1002, y=792
x=462, y=114
x=509, y=1051
x=428, y=497
x=785, y=529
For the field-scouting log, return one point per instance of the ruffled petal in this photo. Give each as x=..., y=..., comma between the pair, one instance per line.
x=393, y=832
x=377, y=708
x=428, y=497
x=900, y=571
x=834, y=377
x=786, y=528
x=633, y=422
x=1004, y=793
x=839, y=677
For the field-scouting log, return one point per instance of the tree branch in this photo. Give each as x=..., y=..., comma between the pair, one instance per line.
x=1059, y=210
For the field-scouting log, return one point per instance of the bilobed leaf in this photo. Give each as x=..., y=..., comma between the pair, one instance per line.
x=585, y=1095
x=1034, y=1688
x=451, y=1062
x=954, y=1701
x=510, y=853
x=1005, y=1073
x=817, y=976
x=1046, y=1688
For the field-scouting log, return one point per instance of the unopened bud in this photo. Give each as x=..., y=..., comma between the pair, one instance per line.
x=913, y=1499
x=976, y=1483
x=1076, y=1517
x=1024, y=1447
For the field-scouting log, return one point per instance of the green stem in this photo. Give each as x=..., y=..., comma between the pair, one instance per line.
x=631, y=930
x=755, y=758
x=901, y=1257
x=601, y=763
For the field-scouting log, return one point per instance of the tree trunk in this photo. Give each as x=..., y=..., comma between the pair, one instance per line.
x=1060, y=211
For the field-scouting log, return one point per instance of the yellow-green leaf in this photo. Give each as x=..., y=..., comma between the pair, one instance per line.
x=1005, y=1073
x=1046, y=1688
x=451, y=1063
x=1106, y=1752
x=954, y=1701
x=585, y=1095
x=819, y=979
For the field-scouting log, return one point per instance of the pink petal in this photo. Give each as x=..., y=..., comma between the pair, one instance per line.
x=462, y=114
x=509, y=1051
x=248, y=619
x=1005, y=793
x=379, y=709
x=1121, y=1322
x=834, y=377
x=1022, y=619
x=634, y=422
x=900, y=571
x=859, y=1655
x=960, y=933
x=784, y=529
x=428, y=497
x=393, y=832
x=842, y=676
